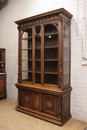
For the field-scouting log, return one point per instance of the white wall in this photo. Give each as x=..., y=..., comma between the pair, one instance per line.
x=17, y=9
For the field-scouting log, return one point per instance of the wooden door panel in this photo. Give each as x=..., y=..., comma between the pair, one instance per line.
x=49, y=104
x=27, y=99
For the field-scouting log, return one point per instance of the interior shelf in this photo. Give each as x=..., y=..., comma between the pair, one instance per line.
x=50, y=47
x=27, y=38
x=26, y=71
x=1, y=62
x=51, y=73
x=27, y=49
x=50, y=59
x=38, y=72
x=49, y=34
x=37, y=48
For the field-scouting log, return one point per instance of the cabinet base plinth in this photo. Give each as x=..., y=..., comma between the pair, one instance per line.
x=43, y=116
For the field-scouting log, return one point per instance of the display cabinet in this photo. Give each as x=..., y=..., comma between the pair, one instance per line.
x=2, y=74
x=44, y=66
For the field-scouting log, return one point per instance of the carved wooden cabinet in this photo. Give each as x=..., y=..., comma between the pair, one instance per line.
x=44, y=66
x=2, y=74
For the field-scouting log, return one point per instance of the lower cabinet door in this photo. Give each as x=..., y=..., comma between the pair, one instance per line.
x=49, y=104
x=30, y=99
x=27, y=99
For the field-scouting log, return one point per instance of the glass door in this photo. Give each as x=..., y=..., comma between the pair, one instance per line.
x=27, y=55
x=66, y=41
x=51, y=54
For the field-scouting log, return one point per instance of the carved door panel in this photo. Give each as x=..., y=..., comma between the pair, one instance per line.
x=49, y=104
x=27, y=99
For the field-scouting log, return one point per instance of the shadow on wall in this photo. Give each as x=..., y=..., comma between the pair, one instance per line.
x=3, y=3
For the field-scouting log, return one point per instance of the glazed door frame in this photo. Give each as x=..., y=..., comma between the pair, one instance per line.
x=60, y=52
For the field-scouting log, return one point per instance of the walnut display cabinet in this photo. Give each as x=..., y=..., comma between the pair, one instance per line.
x=2, y=74
x=44, y=66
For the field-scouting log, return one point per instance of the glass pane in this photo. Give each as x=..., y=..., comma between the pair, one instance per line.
x=66, y=54
x=1, y=56
x=2, y=67
x=50, y=54
x=25, y=76
x=38, y=54
x=27, y=55
x=2, y=64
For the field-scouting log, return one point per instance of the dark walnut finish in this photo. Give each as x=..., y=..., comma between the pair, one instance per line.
x=2, y=74
x=44, y=66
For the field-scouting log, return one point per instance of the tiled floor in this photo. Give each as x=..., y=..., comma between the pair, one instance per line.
x=10, y=119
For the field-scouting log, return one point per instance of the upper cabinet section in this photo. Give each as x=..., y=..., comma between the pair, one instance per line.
x=2, y=60
x=44, y=49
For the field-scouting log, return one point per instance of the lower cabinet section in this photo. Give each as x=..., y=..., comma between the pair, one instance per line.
x=53, y=108
x=2, y=86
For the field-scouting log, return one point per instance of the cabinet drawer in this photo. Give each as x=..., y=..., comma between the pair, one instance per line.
x=49, y=104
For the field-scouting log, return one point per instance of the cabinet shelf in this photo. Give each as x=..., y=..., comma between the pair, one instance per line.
x=51, y=73
x=50, y=59
x=46, y=47
x=30, y=60
x=37, y=59
x=27, y=71
x=1, y=62
x=51, y=47
x=37, y=48
x=27, y=49
x=27, y=38
x=38, y=72
x=27, y=60
x=49, y=34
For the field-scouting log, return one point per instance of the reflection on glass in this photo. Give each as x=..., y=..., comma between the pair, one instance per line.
x=1, y=56
x=2, y=64
x=66, y=54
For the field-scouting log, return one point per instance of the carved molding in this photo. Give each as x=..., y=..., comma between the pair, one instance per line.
x=39, y=20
